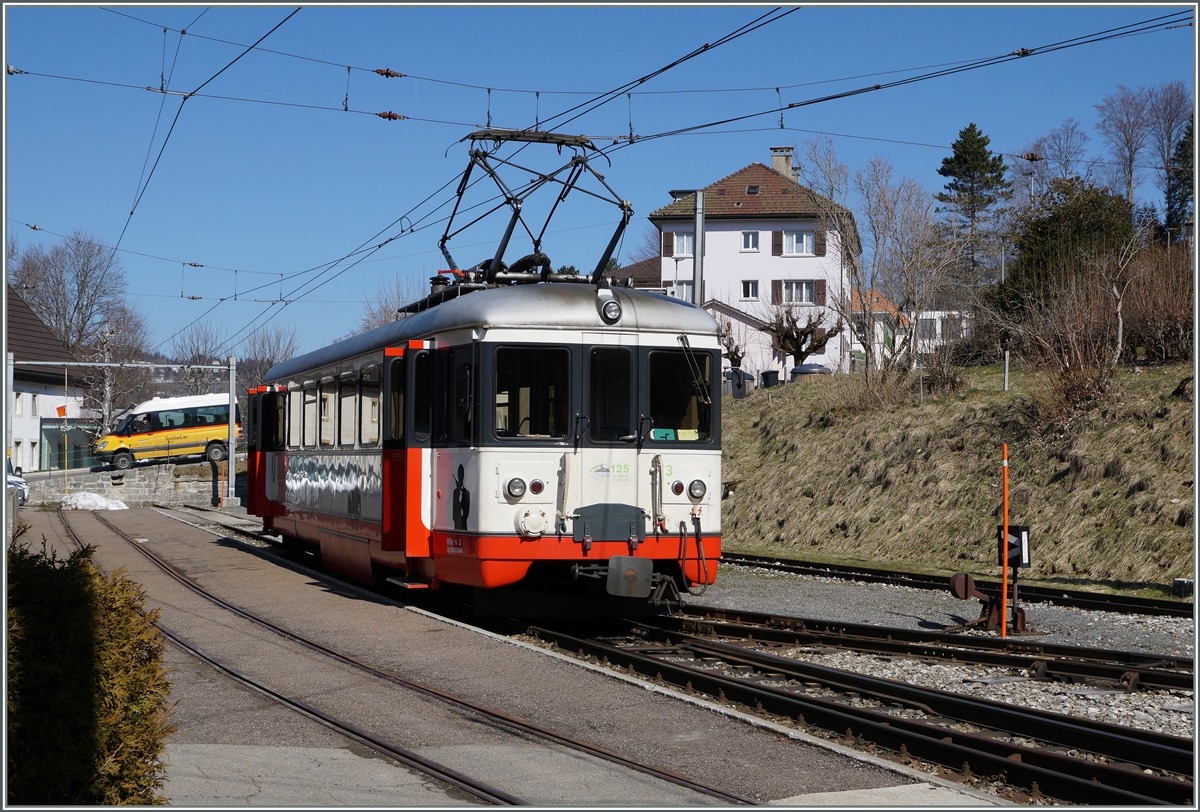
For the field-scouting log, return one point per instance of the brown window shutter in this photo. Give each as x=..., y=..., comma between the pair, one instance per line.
x=703, y=287
x=776, y=243
x=668, y=243
x=819, y=292
x=776, y=291
x=819, y=244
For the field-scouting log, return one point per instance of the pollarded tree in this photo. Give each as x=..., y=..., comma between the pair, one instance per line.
x=977, y=186
x=795, y=338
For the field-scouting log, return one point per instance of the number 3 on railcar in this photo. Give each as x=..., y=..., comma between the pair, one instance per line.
x=553, y=451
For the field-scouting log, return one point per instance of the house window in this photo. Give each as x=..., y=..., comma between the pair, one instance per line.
x=685, y=242
x=683, y=290
x=749, y=240
x=927, y=329
x=798, y=291
x=798, y=243
x=18, y=405
x=750, y=289
x=752, y=190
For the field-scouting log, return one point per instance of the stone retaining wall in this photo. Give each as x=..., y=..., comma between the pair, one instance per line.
x=196, y=484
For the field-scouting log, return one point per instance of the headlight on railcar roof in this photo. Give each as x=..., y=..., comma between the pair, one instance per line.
x=610, y=308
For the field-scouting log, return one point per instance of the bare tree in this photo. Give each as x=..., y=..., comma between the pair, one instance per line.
x=112, y=390
x=263, y=349
x=906, y=255
x=1061, y=153
x=822, y=171
x=799, y=340
x=1168, y=111
x=391, y=295
x=200, y=344
x=74, y=287
x=1123, y=125
x=649, y=247
x=733, y=340
x=912, y=255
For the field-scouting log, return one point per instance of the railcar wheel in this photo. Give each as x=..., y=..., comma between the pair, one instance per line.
x=122, y=461
x=216, y=452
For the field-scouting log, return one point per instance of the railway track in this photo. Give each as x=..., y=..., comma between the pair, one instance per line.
x=708, y=651
x=477, y=788
x=1127, y=669
x=1041, y=753
x=1031, y=594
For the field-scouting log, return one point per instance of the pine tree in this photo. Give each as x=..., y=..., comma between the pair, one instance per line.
x=977, y=184
x=1179, y=185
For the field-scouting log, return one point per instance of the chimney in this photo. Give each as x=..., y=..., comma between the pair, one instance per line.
x=781, y=161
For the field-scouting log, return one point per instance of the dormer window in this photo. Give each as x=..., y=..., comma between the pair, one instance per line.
x=752, y=190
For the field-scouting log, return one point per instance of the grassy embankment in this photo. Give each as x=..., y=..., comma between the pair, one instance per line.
x=1108, y=497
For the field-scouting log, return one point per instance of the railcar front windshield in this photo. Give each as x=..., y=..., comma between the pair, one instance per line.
x=680, y=400
x=532, y=396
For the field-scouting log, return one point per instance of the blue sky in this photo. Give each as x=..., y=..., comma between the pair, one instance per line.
x=281, y=188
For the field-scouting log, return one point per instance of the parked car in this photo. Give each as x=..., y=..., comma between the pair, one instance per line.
x=15, y=481
x=810, y=369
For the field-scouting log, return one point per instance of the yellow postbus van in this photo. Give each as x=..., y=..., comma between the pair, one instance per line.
x=171, y=427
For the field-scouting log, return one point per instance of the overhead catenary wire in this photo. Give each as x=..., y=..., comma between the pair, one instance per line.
x=780, y=109
x=112, y=255
x=1021, y=53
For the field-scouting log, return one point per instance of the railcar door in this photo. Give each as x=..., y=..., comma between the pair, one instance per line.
x=609, y=476
x=407, y=434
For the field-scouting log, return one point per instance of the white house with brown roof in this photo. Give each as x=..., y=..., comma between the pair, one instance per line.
x=764, y=247
x=41, y=402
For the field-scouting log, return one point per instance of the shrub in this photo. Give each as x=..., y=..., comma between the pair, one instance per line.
x=87, y=691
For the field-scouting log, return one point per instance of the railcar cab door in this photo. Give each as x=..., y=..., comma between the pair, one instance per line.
x=609, y=474
x=408, y=383
x=264, y=438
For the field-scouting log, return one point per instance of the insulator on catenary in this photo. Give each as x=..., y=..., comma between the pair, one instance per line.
x=390, y=116
x=389, y=73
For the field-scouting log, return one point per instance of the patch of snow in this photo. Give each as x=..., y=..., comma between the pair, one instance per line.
x=91, y=501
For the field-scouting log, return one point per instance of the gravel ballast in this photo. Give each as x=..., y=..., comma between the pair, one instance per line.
x=754, y=589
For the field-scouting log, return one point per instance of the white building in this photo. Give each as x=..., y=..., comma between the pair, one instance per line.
x=764, y=247
x=38, y=406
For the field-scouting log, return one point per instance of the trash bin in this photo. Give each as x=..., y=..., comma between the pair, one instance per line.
x=770, y=378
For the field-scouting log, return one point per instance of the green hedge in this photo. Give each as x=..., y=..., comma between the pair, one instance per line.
x=87, y=690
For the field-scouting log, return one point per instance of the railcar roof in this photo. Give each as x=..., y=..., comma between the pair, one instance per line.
x=559, y=305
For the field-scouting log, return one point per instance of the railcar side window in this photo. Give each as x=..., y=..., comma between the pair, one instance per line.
x=328, y=412
x=295, y=420
x=462, y=411
x=610, y=394
x=532, y=387
x=679, y=396
x=347, y=394
x=280, y=418
x=310, y=417
x=368, y=417
x=396, y=400
x=422, y=395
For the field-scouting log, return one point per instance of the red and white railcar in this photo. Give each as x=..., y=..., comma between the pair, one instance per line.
x=557, y=438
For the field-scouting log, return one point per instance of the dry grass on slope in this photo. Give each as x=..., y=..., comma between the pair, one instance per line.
x=917, y=486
